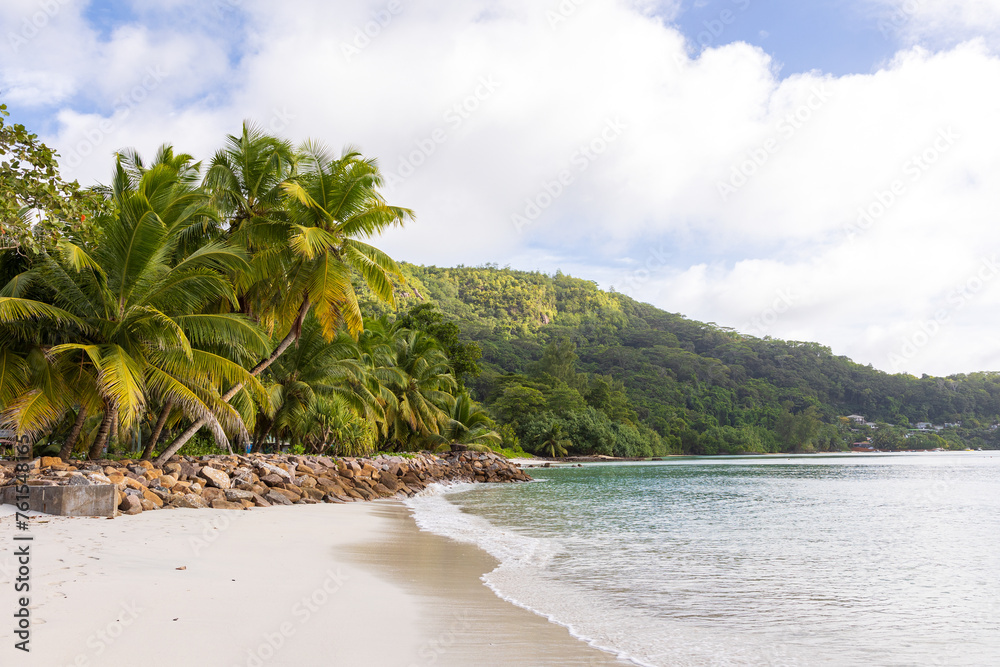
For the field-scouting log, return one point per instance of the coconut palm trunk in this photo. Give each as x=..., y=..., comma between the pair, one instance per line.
x=74, y=435
x=157, y=430
x=104, y=433
x=285, y=343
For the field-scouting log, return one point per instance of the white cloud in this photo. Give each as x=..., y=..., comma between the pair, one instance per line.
x=939, y=21
x=602, y=123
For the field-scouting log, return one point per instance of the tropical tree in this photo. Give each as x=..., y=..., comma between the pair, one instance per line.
x=36, y=206
x=415, y=383
x=553, y=442
x=245, y=180
x=332, y=203
x=469, y=425
x=129, y=311
x=316, y=378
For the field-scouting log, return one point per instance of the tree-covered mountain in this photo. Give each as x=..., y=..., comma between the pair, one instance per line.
x=619, y=376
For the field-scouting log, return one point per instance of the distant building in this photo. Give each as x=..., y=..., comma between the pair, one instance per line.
x=952, y=424
x=924, y=426
x=871, y=424
x=857, y=419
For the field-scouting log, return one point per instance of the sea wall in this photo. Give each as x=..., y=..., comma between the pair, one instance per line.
x=256, y=480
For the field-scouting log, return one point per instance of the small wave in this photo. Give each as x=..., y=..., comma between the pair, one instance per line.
x=528, y=577
x=435, y=514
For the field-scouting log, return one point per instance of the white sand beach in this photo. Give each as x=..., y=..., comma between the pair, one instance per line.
x=354, y=584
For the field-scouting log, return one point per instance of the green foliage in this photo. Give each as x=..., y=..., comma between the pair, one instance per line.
x=462, y=356
x=701, y=388
x=37, y=207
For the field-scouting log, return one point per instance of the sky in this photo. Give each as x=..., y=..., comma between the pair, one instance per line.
x=817, y=171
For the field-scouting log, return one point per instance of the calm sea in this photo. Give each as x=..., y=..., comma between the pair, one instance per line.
x=839, y=560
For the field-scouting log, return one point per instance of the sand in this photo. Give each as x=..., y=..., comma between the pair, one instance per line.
x=354, y=584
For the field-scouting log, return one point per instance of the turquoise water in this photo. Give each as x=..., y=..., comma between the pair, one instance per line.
x=837, y=560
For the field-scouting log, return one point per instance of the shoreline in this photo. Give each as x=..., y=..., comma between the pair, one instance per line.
x=323, y=584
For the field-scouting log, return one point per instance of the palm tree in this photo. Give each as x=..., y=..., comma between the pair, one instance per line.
x=315, y=377
x=131, y=308
x=417, y=383
x=470, y=426
x=245, y=179
x=331, y=204
x=553, y=442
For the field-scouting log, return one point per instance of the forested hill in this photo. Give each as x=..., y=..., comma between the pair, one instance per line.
x=564, y=361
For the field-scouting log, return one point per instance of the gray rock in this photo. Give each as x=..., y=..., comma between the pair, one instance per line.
x=235, y=495
x=276, y=498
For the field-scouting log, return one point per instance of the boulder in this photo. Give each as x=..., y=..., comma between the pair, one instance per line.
x=363, y=492
x=154, y=499
x=211, y=494
x=192, y=501
x=130, y=505
x=383, y=491
x=313, y=493
x=236, y=495
x=220, y=504
x=330, y=486
x=276, y=498
x=188, y=470
x=287, y=493
x=275, y=470
x=216, y=478
x=48, y=461
x=133, y=483
x=243, y=484
x=148, y=505
x=167, y=481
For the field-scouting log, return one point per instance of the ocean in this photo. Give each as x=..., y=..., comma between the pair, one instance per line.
x=855, y=559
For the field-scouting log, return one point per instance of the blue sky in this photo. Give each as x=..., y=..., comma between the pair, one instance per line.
x=833, y=36
x=734, y=161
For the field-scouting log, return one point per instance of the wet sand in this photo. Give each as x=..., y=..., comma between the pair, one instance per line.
x=465, y=623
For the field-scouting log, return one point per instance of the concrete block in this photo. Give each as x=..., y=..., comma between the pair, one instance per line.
x=94, y=500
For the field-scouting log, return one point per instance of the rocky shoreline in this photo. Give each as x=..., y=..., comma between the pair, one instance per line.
x=262, y=480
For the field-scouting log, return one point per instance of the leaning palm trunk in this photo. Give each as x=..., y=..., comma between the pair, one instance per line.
x=228, y=396
x=74, y=435
x=160, y=423
x=259, y=444
x=110, y=417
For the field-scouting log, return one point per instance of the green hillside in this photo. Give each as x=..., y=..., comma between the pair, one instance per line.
x=623, y=377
